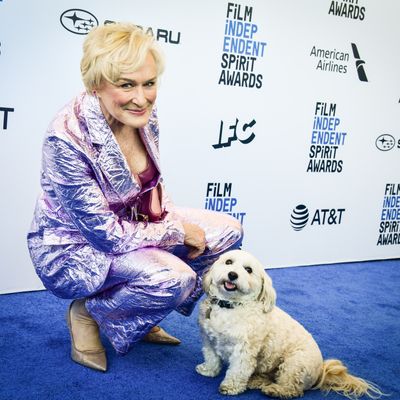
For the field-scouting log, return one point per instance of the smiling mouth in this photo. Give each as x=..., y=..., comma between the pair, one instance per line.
x=138, y=112
x=229, y=286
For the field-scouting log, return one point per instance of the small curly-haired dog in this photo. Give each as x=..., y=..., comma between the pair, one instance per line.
x=263, y=346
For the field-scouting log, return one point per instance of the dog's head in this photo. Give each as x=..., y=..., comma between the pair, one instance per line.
x=238, y=276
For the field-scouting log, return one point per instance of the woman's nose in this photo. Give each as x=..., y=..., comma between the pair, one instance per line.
x=139, y=97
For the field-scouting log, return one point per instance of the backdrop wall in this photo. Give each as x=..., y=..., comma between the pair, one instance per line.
x=283, y=113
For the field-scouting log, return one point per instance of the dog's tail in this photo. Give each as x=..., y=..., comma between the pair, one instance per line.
x=334, y=376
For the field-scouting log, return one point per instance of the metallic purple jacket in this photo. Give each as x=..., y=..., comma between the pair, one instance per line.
x=84, y=214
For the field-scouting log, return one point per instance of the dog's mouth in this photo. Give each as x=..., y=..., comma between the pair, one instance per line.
x=230, y=286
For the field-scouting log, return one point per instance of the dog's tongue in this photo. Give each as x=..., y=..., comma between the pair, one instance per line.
x=229, y=285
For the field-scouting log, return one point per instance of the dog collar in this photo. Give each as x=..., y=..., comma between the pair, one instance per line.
x=224, y=303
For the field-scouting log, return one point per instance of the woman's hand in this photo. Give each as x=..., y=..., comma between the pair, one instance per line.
x=195, y=239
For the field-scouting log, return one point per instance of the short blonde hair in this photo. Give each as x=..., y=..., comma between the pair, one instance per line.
x=113, y=49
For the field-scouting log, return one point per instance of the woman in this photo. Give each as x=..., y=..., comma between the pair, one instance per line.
x=104, y=232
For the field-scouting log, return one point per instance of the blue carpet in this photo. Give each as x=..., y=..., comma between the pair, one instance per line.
x=353, y=311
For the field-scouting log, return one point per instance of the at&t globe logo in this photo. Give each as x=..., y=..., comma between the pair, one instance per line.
x=78, y=21
x=299, y=217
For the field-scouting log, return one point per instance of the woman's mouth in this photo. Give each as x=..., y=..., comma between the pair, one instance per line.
x=138, y=112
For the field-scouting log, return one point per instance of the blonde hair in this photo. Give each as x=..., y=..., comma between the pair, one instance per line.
x=113, y=49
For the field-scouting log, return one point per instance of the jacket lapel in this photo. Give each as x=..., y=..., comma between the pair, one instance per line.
x=149, y=135
x=110, y=159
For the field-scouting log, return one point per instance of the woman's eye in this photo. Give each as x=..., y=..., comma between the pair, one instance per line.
x=126, y=85
x=150, y=84
x=248, y=269
x=228, y=261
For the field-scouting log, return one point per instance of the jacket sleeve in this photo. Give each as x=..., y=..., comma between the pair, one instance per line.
x=81, y=197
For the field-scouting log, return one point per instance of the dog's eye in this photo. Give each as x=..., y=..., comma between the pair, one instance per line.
x=228, y=261
x=248, y=269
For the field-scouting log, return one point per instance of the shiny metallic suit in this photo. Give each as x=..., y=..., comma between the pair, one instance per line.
x=85, y=241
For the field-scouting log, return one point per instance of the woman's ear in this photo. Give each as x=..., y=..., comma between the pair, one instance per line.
x=267, y=294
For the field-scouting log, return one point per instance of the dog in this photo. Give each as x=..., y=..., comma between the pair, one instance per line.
x=264, y=347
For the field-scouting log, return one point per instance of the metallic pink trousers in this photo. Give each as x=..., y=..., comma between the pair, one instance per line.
x=145, y=285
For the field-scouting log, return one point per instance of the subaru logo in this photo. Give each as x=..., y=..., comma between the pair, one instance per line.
x=78, y=21
x=385, y=142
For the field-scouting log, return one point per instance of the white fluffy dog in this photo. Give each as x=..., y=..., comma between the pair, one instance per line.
x=263, y=346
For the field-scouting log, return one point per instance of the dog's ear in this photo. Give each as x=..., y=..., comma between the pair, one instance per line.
x=267, y=294
x=207, y=281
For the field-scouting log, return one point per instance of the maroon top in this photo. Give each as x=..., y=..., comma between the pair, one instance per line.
x=150, y=201
x=149, y=173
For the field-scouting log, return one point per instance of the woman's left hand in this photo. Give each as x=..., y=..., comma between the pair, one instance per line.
x=195, y=239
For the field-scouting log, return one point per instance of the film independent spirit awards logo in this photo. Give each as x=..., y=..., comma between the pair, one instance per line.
x=78, y=21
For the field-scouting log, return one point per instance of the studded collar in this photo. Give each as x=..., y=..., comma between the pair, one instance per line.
x=224, y=303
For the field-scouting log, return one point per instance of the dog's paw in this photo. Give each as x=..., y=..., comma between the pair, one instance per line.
x=258, y=381
x=208, y=370
x=231, y=388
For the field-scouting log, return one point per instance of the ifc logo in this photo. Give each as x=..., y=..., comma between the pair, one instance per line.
x=299, y=217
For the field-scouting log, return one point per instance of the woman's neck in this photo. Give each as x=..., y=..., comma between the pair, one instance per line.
x=124, y=131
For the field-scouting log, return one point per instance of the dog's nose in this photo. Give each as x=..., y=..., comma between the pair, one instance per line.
x=232, y=275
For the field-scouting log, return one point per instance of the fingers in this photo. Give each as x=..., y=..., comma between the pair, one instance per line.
x=195, y=239
x=195, y=252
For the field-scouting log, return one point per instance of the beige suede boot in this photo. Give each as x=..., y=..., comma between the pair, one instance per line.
x=158, y=335
x=86, y=347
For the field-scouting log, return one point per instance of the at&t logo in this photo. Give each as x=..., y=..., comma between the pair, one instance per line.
x=299, y=217
x=4, y=113
x=323, y=216
x=78, y=21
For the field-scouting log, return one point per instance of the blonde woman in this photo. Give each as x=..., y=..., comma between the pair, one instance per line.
x=104, y=232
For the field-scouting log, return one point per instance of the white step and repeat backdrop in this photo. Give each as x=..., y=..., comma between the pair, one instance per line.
x=283, y=113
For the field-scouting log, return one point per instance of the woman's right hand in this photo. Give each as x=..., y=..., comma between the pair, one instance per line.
x=195, y=239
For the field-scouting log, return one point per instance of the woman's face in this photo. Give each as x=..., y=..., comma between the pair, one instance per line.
x=129, y=101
